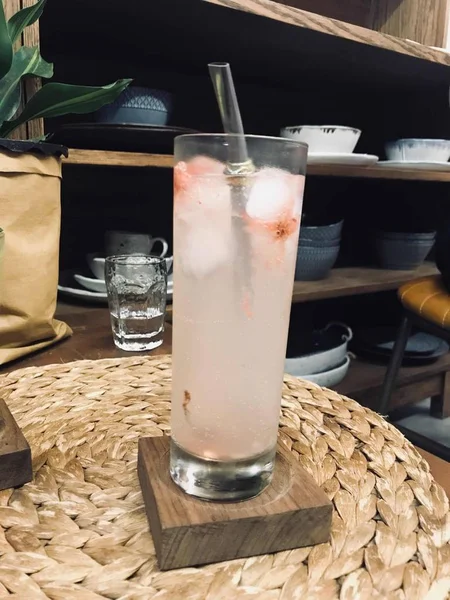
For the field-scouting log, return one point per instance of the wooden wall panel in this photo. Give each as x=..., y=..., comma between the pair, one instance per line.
x=11, y=7
x=30, y=37
x=423, y=21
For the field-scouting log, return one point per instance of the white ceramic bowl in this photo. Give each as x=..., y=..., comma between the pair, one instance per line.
x=96, y=263
x=331, y=377
x=418, y=150
x=318, y=362
x=94, y=285
x=335, y=139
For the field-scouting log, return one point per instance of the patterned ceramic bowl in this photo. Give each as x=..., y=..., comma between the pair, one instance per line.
x=418, y=150
x=324, y=138
x=138, y=106
x=402, y=254
x=322, y=233
x=315, y=263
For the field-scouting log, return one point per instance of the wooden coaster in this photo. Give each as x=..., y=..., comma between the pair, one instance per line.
x=15, y=453
x=292, y=512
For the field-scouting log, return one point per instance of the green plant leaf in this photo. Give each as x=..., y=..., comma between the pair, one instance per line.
x=57, y=99
x=23, y=18
x=6, y=49
x=26, y=62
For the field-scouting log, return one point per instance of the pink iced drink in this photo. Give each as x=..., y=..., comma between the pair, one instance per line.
x=233, y=277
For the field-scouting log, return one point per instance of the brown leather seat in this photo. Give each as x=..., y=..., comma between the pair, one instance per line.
x=428, y=298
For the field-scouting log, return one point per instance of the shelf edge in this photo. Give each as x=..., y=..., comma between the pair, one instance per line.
x=113, y=158
x=326, y=25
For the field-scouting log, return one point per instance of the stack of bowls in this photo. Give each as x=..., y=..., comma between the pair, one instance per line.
x=318, y=249
x=403, y=251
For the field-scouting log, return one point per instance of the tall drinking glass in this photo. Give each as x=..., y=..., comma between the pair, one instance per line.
x=235, y=241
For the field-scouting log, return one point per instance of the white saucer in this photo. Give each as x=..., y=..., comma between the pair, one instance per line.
x=415, y=165
x=80, y=294
x=342, y=158
x=91, y=284
x=69, y=287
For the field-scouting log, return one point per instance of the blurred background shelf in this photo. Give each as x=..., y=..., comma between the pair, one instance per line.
x=263, y=39
x=342, y=282
x=377, y=21
x=356, y=280
x=364, y=380
x=111, y=158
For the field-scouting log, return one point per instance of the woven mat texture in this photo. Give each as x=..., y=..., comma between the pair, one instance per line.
x=79, y=530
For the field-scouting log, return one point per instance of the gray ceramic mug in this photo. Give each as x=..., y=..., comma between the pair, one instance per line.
x=126, y=242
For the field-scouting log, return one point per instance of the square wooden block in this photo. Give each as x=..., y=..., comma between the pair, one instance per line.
x=292, y=512
x=15, y=453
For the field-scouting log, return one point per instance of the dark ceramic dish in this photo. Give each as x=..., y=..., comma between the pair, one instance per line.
x=127, y=138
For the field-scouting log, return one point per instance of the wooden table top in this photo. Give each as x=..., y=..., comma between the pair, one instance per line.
x=92, y=339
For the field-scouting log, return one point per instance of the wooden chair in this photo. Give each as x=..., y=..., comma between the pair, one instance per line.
x=426, y=303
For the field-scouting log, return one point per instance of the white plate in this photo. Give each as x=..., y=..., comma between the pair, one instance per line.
x=343, y=158
x=415, y=165
x=331, y=377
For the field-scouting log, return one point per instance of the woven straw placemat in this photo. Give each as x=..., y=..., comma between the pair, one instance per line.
x=79, y=530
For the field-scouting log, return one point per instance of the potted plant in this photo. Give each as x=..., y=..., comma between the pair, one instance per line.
x=30, y=176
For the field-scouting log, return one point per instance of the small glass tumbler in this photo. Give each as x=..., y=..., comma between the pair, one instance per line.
x=137, y=291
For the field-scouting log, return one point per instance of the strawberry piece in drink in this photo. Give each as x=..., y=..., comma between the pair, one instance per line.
x=202, y=215
x=197, y=166
x=273, y=214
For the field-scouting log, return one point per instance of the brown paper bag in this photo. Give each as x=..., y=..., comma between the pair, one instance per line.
x=30, y=214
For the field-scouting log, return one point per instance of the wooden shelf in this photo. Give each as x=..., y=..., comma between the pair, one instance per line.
x=341, y=282
x=364, y=375
x=356, y=280
x=377, y=172
x=110, y=158
x=364, y=380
